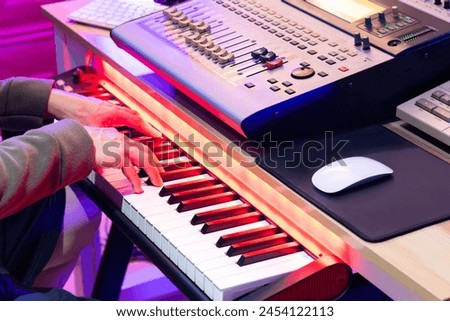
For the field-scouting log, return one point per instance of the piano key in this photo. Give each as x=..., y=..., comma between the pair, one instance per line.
x=183, y=243
x=195, y=193
x=224, y=223
x=210, y=265
x=165, y=216
x=226, y=286
x=204, y=201
x=257, y=244
x=268, y=253
x=205, y=216
x=168, y=153
x=182, y=173
x=229, y=239
x=183, y=186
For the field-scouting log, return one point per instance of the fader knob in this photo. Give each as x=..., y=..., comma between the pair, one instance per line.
x=357, y=37
x=365, y=43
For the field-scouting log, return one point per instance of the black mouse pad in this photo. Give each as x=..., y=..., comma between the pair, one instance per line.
x=415, y=196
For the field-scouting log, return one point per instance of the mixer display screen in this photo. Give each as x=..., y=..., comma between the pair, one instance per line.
x=349, y=10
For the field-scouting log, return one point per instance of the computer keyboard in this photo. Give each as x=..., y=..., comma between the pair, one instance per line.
x=108, y=14
x=429, y=112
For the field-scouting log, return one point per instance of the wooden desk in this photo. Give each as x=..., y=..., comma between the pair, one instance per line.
x=415, y=266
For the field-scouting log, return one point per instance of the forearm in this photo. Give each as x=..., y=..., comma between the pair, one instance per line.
x=41, y=162
x=23, y=103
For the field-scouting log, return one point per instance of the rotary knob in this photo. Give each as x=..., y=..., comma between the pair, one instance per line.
x=447, y=4
x=368, y=22
x=357, y=37
x=437, y=2
x=382, y=17
x=365, y=43
x=395, y=12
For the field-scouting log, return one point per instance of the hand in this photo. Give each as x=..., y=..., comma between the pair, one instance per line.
x=113, y=149
x=95, y=112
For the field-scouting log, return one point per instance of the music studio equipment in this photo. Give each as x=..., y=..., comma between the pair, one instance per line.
x=288, y=68
x=295, y=67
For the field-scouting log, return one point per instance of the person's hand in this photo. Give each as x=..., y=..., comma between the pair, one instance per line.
x=96, y=112
x=113, y=149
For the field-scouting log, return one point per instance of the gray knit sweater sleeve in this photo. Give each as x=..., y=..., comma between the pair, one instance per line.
x=23, y=103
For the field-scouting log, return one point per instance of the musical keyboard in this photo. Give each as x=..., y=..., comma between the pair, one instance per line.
x=225, y=245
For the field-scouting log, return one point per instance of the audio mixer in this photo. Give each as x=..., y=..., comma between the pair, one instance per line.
x=294, y=67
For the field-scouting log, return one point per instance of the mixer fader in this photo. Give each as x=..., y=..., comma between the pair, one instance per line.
x=262, y=66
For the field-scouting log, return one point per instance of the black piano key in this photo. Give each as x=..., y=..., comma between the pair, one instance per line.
x=269, y=253
x=257, y=244
x=196, y=193
x=159, y=145
x=229, y=239
x=173, y=165
x=206, y=201
x=168, y=153
x=203, y=217
x=174, y=188
x=181, y=173
x=229, y=222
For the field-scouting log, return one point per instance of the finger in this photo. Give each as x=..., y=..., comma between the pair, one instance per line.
x=131, y=118
x=134, y=179
x=143, y=157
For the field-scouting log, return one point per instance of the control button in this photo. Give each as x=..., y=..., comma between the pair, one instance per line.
x=382, y=17
x=274, y=88
x=217, y=54
x=277, y=62
x=214, y=48
x=365, y=43
x=425, y=104
x=302, y=47
x=437, y=94
x=259, y=52
x=330, y=62
x=395, y=12
x=287, y=83
x=267, y=57
x=322, y=74
x=272, y=80
x=357, y=38
x=192, y=37
x=343, y=68
x=302, y=73
x=170, y=12
x=249, y=85
x=445, y=99
x=290, y=91
x=312, y=52
x=442, y=113
x=322, y=57
x=226, y=58
x=368, y=22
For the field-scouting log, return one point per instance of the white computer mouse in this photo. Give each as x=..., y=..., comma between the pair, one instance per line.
x=347, y=173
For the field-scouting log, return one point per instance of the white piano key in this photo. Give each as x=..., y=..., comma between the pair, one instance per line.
x=168, y=219
x=201, y=247
x=226, y=286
